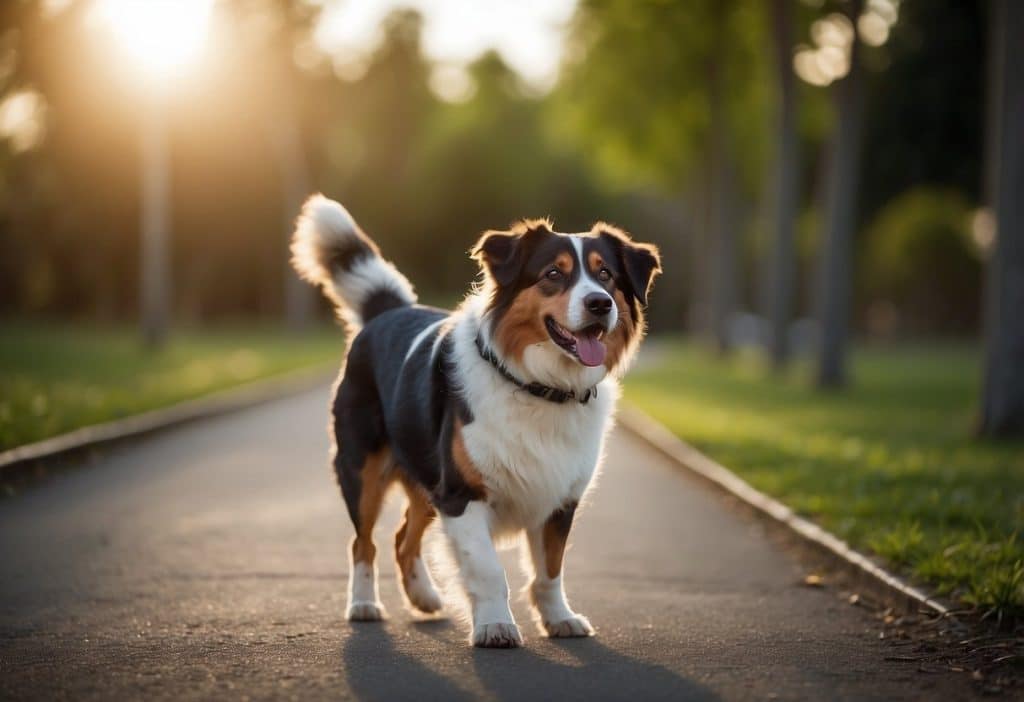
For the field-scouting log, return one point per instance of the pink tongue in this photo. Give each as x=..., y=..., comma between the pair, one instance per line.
x=590, y=350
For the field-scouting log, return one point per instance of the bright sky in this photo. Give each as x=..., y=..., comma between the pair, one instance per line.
x=528, y=33
x=163, y=36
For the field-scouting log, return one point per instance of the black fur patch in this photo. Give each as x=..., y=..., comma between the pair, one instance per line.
x=346, y=257
x=639, y=262
x=379, y=302
x=404, y=398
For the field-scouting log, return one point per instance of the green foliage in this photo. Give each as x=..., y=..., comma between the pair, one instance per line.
x=426, y=178
x=57, y=378
x=624, y=135
x=888, y=465
x=919, y=256
x=638, y=96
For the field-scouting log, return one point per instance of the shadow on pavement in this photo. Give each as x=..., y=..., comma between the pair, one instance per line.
x=597, y=673
x=376, y=670
x=380, y=664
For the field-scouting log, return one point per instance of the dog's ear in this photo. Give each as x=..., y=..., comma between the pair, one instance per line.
x=497, y=254
x=640, y=262
x=503, y=254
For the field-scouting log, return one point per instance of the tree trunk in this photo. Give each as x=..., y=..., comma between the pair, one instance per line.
x=1002, y=407
x=154, y=263
x=836, y=267
x=298, y=296
x=723, y=199
x=284, y=127
x=784, y=198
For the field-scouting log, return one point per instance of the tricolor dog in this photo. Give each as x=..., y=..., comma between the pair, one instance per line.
x=492, y=417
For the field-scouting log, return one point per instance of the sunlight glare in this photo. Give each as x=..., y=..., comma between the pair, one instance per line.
x=163, y=35
x=529, y=34
x=452, y=83
x=23, y=119
x=983, y=231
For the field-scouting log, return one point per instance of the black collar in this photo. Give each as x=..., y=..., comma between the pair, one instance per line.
x=536, y=389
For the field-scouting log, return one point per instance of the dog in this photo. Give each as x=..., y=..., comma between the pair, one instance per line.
x=492, y=417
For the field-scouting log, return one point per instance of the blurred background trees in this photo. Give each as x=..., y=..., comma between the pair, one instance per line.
x=797, y=161
x=1002, y=411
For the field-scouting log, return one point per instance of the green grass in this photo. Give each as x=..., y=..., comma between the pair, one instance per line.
x=55, y=378
x=888, y=464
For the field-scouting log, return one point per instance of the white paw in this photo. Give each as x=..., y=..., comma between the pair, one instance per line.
x=423, y=597
x=500, y=635
x=365, y=612
x=575, y=626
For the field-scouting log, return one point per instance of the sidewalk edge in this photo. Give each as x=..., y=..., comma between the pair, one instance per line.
x=690, y=459
x=28, y=457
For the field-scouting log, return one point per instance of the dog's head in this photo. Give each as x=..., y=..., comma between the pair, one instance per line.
x=566, y=308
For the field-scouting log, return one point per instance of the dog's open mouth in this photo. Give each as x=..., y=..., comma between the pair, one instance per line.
x=584, y=344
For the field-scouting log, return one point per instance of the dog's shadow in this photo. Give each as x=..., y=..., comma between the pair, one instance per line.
x=596, y=672
x=427, y=660
x=377, y=669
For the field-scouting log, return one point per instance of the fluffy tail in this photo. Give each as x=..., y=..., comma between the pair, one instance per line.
x=330, y=250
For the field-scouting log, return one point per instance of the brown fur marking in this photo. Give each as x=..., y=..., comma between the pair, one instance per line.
x=554, y=536
x=376, y=479
x=463, y=463
x=564, y=262
x=409, y=537
x=523, y=324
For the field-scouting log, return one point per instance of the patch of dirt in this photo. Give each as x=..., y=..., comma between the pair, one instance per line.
x=990, y=655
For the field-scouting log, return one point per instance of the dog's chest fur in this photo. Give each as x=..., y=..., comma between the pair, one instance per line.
x=534, y=456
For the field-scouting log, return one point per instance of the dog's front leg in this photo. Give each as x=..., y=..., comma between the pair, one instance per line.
x=547, y=548
x=482, y=576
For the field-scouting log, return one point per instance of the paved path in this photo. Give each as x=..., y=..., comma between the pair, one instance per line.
x=208, y=561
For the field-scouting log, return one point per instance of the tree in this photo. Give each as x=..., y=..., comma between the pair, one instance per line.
x=835, y=271
x=155, y=226
x=722, y=220
x=1002, y=407
x=660, y=96
x=284, y=125
x=785, y=197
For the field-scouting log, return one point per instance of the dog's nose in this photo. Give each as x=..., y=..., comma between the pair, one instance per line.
x=598, y=304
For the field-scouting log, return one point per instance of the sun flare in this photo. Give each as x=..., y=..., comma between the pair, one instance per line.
x=162, y=35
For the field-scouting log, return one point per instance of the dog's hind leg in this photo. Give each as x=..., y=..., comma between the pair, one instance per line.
x=365, y=469
x=416, y=581
x=364, y=486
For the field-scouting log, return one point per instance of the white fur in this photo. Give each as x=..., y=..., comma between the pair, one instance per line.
x=325, y=225
x=420, y=337
x=363, y=598
x=548, y=596
x=471, y=538
x=420, y=588
x=583, y=287
x=534, y=457
x=366, y=277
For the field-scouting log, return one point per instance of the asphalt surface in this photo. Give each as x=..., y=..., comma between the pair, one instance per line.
x=209, y=561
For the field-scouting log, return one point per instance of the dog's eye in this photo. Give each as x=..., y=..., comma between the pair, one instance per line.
x=553, y=274
x=604, y=275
